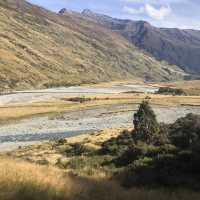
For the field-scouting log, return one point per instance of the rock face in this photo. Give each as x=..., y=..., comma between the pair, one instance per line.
x=62, y=11
x=178, y=47
x=39, y=48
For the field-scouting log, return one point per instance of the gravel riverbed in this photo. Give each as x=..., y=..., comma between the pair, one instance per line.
x=41, y=128
x=31, y=96
x=56, y=126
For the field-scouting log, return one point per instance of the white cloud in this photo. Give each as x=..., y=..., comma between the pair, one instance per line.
x=151, y=11
x=159, y=13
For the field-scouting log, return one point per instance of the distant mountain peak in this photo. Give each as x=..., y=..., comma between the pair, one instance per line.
x=96, y=16
x=87, y=12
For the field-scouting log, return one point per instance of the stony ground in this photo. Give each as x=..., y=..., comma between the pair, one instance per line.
x=84, y=118
x=81, y=121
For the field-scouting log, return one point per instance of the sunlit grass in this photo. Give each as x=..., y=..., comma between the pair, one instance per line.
x=25, y=181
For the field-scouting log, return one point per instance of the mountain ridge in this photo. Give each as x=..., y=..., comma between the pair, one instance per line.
x=39, y=49
x=179, y=47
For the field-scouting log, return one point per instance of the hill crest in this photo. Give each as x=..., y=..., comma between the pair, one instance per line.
x=39, y=48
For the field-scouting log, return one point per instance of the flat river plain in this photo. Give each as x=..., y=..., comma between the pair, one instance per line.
x=36, y=129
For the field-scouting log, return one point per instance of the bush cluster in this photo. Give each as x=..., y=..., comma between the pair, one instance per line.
x=185, y=132
x=116, y=146
x=160, y=154
x=153, y=154
x=171, y=91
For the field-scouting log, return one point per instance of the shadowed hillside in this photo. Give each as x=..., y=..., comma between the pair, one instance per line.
x=176, y=46
x=39, y=48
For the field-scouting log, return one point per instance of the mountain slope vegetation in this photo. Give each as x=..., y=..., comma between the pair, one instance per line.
x=176, y=46
x=39, y=48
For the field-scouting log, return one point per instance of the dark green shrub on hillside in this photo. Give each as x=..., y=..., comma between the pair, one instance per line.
x=163, y=137
x=169, y=169
x=77, y=149
x=160, y=154
x=185, y=132
x=143, y=150
x=146, y=127
x=128, y=156
x=155, y=154
x=116, y=146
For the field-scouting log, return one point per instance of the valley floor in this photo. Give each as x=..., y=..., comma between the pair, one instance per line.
x=47, y=167
x=30, y=117
x=46, y=172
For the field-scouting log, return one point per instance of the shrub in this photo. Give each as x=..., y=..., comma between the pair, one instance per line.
x=116, y=146
x=171, y=91
x=79, y=99
x=126, y=158
x=61, y=141
x=154, y=161
x=143, y=150
x=185, y=132
x=147, y=128
x=76, y=149
x=163, y=170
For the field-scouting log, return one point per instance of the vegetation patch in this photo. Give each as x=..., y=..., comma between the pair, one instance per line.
x=25, y=181
x=171, y=91
x=162, y=155
x=79, y=99
x=153, y=155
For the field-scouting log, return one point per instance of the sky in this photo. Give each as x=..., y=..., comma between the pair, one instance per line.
x=161, y=13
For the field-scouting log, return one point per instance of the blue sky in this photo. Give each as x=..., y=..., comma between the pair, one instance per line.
x=162, y=13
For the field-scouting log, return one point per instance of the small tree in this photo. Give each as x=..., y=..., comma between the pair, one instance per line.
x=147, y=128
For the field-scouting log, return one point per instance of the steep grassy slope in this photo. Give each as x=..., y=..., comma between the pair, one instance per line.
x=39, y=48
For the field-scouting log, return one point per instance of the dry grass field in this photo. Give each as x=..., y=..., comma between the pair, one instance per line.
x=47, y=153
x=22, y=180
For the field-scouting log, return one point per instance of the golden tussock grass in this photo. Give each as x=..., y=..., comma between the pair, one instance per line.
x=20, y=180
x=25, y=181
